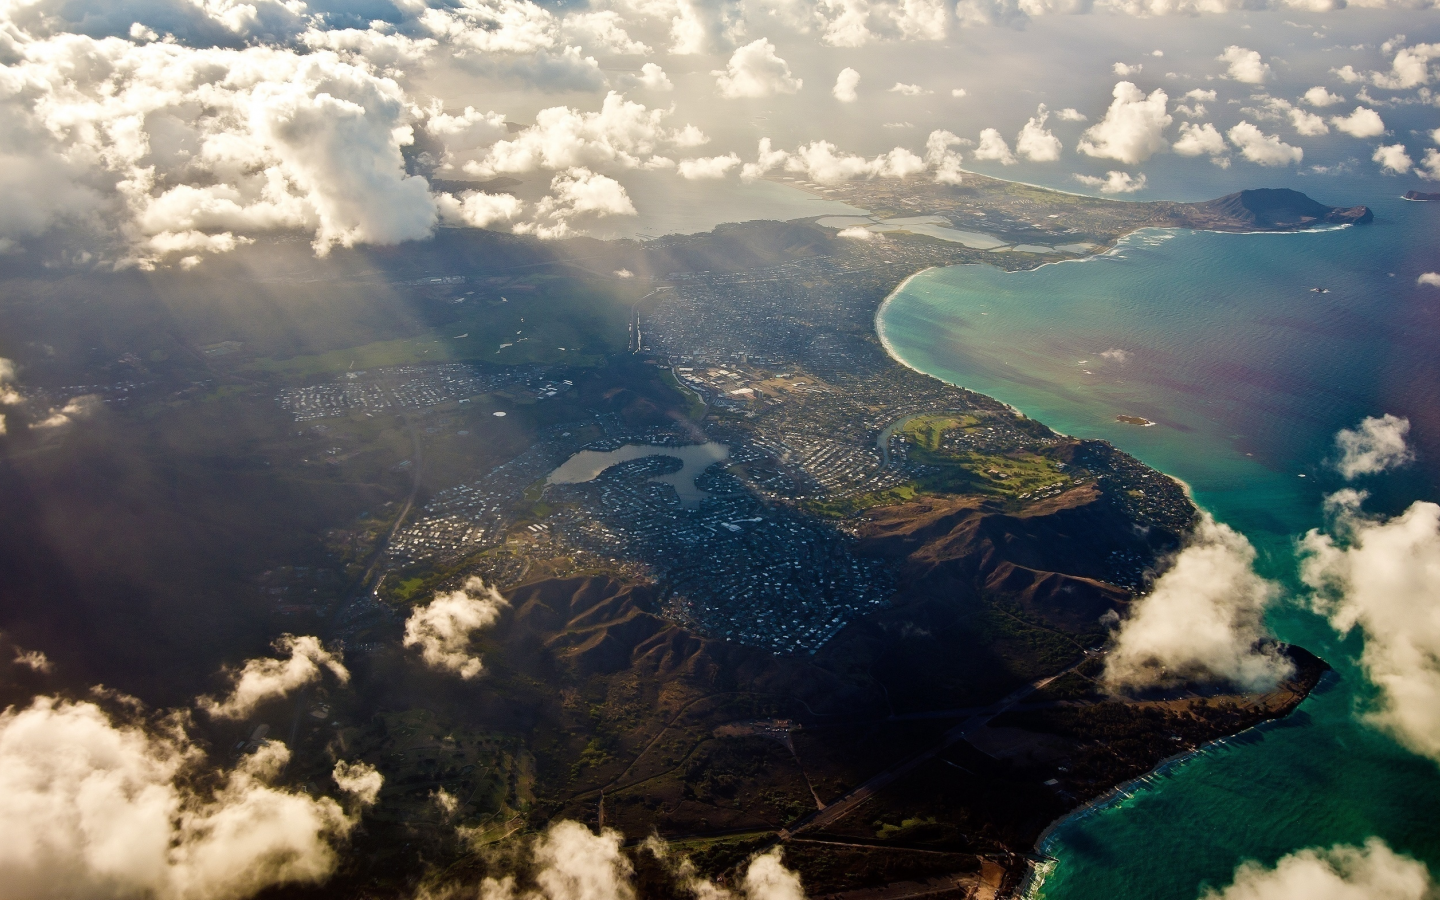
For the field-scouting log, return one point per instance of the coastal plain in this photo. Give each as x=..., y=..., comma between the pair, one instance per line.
x=872, y=633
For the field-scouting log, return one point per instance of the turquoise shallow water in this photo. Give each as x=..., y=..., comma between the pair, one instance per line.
x=1248, y=374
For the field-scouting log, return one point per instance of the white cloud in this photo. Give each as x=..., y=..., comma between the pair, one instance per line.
x=478, y=209
x=1362, y=123
x=1244, y=65
x=1199, y=140
x=1384, y=576
x=1035, y=142
x=262, y=679
x=857, y=233
x=1115, y=354
x=845, y=84
x=708, y=166
x=442, y=629
x=9, y=394
x=1431, y=165
x=358, y=779
x=766, y=160
x=34, y=660
x=1372, y=872
x=1375, y=445
x=766, y=878
x=1133, y=128
x=1430, y=278
x=1125, y=71
x=1392, y=158
x=92, y=808
x=957, y=93
x=621, y=132
x=755, y=71
x=941, y=156
x=1319, y=96
x=909, y=90
x=1070, y=114
x=1114, y=182
x=699, y=26
x=1201, y=95
x=653, y=78
x=992, y=148
x=1307, y=123
x=289, y=140
x=603, y=31
x=1409, y=69
x=821, y=163
x=493, y=26
x=1204, y=618
x=77, y=408
x=1263, y=149
x=855, y=23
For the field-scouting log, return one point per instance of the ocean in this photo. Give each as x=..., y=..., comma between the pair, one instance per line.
x=1247, y=371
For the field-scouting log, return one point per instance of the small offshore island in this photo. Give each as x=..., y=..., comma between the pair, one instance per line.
x=872, y=633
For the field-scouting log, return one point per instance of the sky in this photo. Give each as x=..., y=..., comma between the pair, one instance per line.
x=162, y=132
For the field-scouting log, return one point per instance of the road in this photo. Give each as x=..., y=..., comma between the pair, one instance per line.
x=842, y=807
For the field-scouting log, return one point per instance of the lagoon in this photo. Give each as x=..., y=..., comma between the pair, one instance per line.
x=696, y=458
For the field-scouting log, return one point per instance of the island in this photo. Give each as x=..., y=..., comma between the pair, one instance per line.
x=796, y=594
x=1422, y=196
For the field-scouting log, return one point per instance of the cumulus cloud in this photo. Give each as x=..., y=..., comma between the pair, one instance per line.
x=823, y=163
x=1263, y=149
x=1430, y=278
x=1114, y=182
x=1133, y=128
x=1430, y=165
x=1378, y=443
x=289, y=140
x=1204, y=619
x=9, y=394
x=1383, y=575
x=909, y=90
x=857, y=233
x=992, y=148
x=442, y=629
x=478, y=209
x=1070, y=114
x=766, y=160
x=653, y=78
x=1361, y=123
x=1035, y=142
x=1125, y=71
x=1371, y=872
x=92, y=807
x=1409, y=69
x=941, y=156
x=845, y=84
x=1200, y=140
x=1319, y=96
x=358, y=779
x=708, y=166
x=621, y=133
x=1244, y=65
x=602, y=30
x=77, y=408
x=855, y=23
x=261, y=679
x=755, y=71
x=1392, y=158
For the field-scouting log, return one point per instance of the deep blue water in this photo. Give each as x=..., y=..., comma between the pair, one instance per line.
x=1248, y=374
